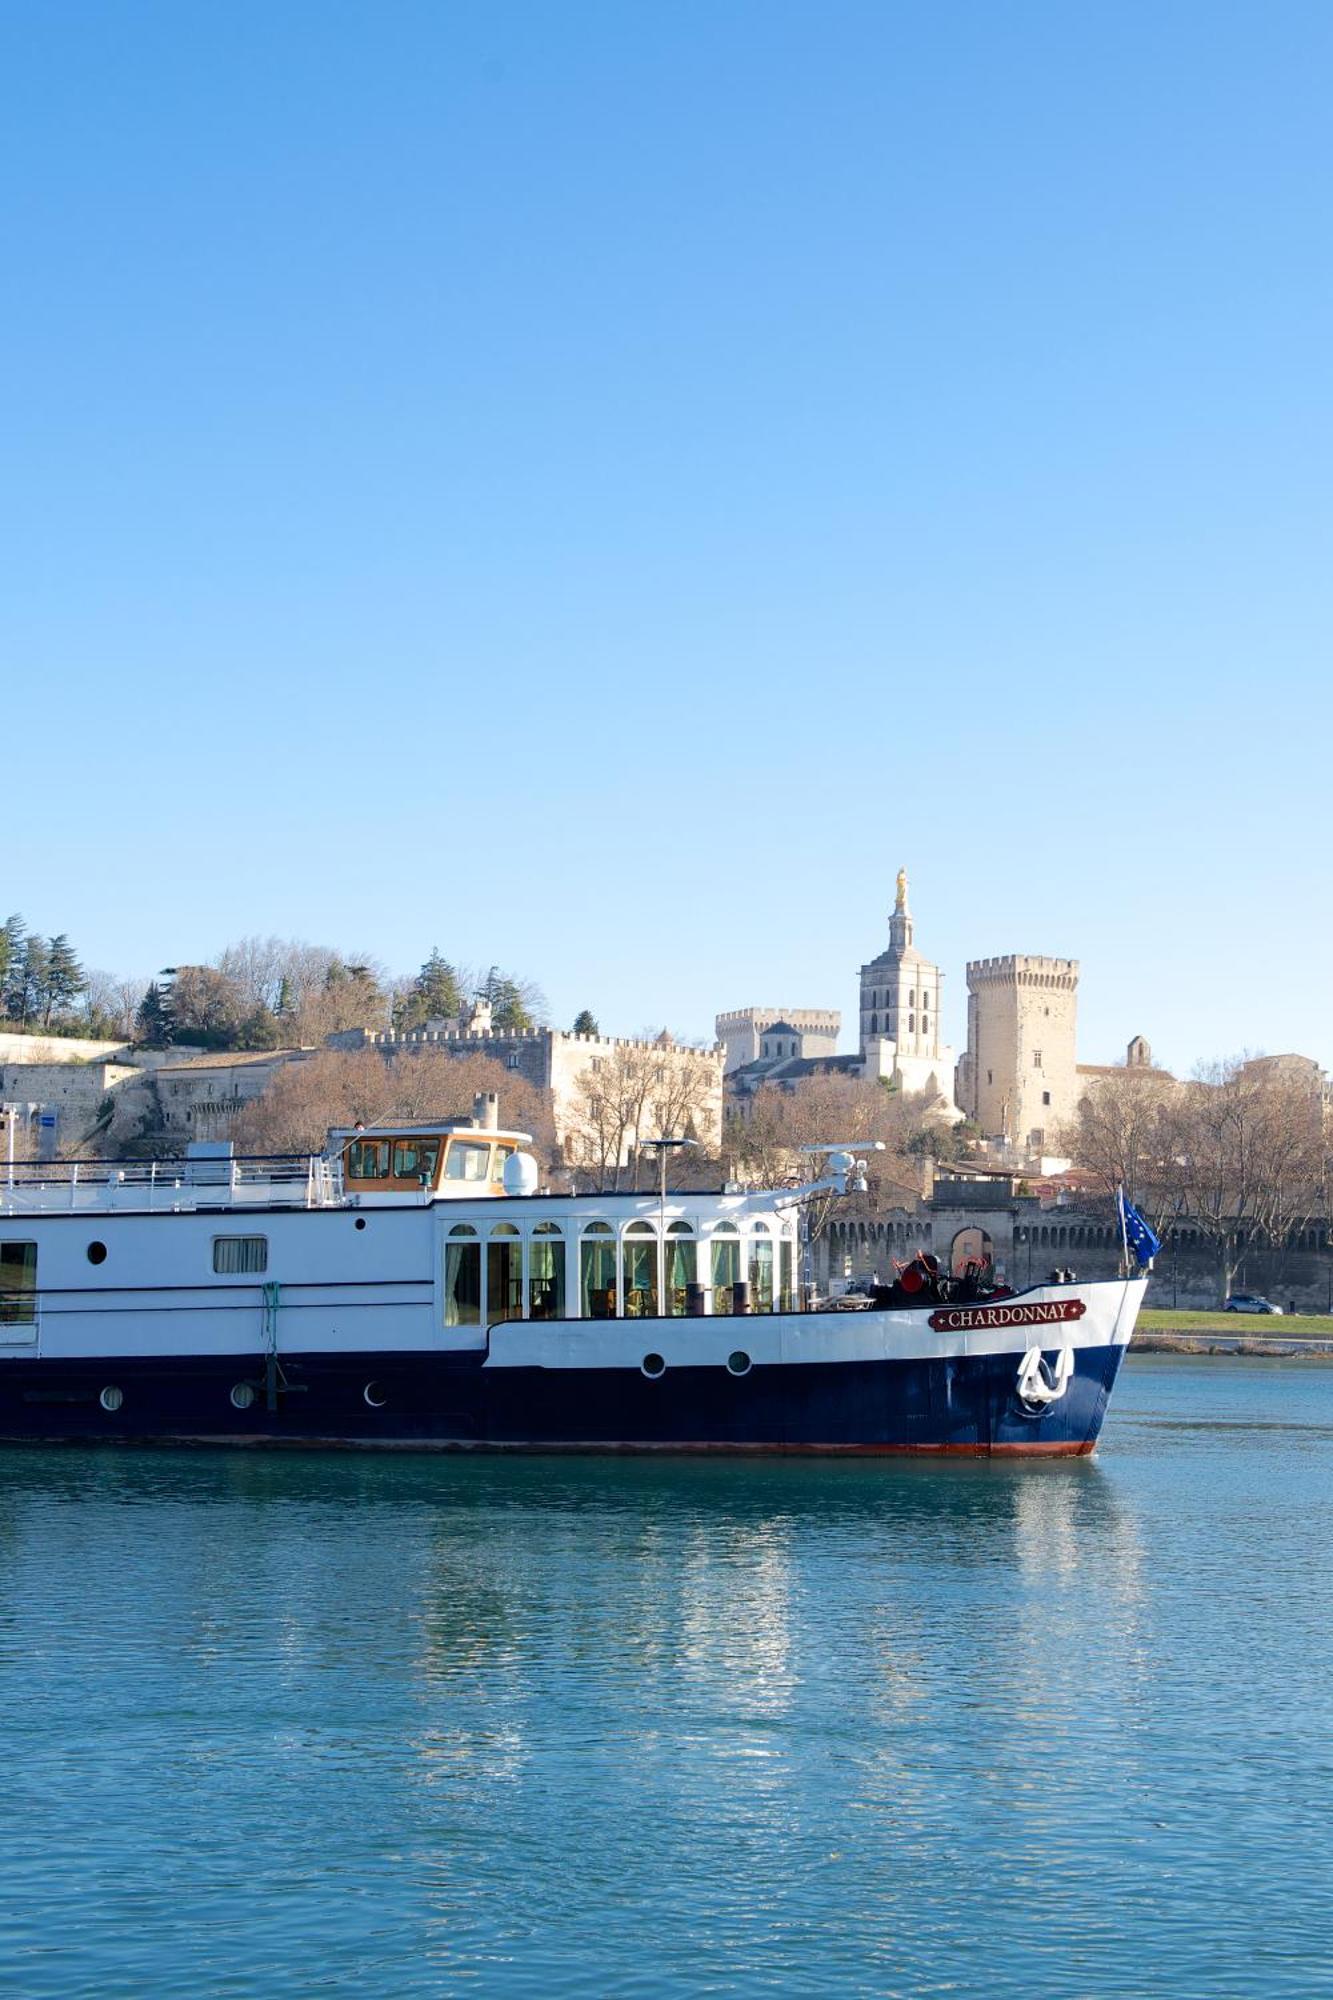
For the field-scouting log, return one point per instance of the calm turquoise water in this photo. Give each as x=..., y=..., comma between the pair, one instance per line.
x=322, y=1725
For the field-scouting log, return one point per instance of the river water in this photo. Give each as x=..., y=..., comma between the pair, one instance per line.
x=289, y=1724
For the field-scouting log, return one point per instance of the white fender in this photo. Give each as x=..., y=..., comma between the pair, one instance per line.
x=1037, y=1385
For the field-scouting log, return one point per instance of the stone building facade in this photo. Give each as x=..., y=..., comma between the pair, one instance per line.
x=199, y=1098
x=1019, y=1078
x=558, y=1061
x=55, y=1105
x=744, y=1032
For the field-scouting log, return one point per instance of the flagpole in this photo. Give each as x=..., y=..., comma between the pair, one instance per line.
x=1124, y=1231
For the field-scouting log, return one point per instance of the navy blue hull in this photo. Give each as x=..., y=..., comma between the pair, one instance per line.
x=961, y=1404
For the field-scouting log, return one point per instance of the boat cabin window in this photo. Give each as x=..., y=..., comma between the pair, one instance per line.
x=462, y=1277
x=18, y=1284
x=233, y=1254
x=597, y=1272
x=415, y=1159
x=681, y=1268
x=546, y=1273
x=726, y=1267
x=369, y=1160
x=504, y=1273
x=787, y=1257
x=467, y=1160
x=640, y=1271
x=761, y=1270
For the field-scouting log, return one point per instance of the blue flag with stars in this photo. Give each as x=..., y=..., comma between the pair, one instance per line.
x=1139, y=1236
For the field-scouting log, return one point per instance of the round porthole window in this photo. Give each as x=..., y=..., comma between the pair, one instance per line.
x=653, y=1365
x=374, y=1395
x=111, y=1400
x=242, y=1396
x=738, y=1361
x=97, y=1253
x=361, y=1222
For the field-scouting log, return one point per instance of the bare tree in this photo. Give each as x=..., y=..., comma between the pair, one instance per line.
x=1247, y=1158
x=1125, y=1134
x=339, y=1086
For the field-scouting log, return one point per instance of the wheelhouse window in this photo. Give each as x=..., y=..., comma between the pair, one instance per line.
x=641, y=1271
x=369, y=1160
x=725, y=1261
x=234, y=1255
x=597, y=1272
x=18, y=1284
x=546, y=1272
x=467, y=1160
x=415, y=1159
x=462, y=1277
x=682, y=1266
x=504, y=1273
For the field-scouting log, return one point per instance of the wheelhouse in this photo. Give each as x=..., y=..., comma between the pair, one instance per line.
x=457, y=1159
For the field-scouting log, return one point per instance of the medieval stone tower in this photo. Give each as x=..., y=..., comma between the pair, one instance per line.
x=1019, y=1078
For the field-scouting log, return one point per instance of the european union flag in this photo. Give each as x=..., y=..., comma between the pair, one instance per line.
x=1140, y=1238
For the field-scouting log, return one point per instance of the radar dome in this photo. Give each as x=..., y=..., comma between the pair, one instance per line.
x=520, y=1174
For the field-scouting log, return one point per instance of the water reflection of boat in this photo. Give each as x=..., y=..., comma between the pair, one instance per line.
x=415, y=1288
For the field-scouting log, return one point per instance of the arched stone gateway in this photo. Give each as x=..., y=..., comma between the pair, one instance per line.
x=970, y=1246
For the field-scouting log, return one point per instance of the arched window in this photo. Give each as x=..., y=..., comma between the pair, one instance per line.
x=725, y=1266
x=462, y=1277
x=546, y=1272
x=874, y=1024
x=911, y=1024
x=504, y=1274
x=640, y=1271
x=761, y=1268
x=682, y=1266
x=597, y=1272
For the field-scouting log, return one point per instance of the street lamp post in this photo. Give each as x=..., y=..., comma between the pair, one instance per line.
x=664, y=1146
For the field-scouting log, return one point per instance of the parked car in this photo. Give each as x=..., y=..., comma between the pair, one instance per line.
x=1250, y=1302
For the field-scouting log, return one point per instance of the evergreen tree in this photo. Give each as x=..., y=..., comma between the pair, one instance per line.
x=585, y=1024
x=64, y=977
x=508, y=1014
x=153, y=1024
x=12, y=940
x=32, y=981
x=259, y=1030
x=286, y=1003
x=436, y=986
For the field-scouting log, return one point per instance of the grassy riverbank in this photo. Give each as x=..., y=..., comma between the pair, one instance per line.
x=1293, y=1325
x=1235, y=1333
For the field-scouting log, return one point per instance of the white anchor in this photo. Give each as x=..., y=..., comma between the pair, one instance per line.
x=1036, y=1383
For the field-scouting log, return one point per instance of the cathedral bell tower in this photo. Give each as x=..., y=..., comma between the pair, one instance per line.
x=900, y=1011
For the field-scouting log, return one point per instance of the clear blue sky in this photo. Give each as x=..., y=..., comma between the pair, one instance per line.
x=599, y=486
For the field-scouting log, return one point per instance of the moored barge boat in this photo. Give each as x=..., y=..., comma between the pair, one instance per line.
x=413, y=1287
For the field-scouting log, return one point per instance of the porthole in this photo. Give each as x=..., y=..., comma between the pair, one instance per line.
x=361, y=1222
x=111, y=1399
x=97, y=1253
x=242, y=1396
x=374, y=1395
x=738, y=1361
x=653, y=1365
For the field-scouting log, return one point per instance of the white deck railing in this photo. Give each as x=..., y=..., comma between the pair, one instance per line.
x=291, y=1181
